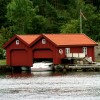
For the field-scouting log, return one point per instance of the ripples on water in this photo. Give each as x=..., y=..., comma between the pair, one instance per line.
x=50, y=86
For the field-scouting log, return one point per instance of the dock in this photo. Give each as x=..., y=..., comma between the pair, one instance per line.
x=61, y=67
x=85, y=67
x=79, y=67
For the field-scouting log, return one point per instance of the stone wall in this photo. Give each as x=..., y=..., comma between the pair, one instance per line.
x=97, y=52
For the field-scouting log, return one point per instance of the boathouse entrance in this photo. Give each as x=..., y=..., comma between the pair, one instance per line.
x=42, y=55
x=67, y=61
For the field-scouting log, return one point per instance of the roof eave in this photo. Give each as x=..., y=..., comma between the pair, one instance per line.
x=77, y=45
x=22, y=40
x=12, y=39
x=42, y=35
x=9, y=41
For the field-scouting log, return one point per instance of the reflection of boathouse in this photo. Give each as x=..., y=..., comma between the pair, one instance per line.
x=24, y=50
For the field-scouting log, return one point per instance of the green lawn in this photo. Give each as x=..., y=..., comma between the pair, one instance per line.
x=3, y=62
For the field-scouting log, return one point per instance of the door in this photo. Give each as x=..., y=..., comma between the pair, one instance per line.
x=19, y=58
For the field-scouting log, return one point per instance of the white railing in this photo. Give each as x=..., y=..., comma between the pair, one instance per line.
x=75, y=55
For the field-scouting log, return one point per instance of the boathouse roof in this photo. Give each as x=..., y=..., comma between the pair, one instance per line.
x=57, y=39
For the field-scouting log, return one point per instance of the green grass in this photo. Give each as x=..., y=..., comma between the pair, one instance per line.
x=3, y=62
x=97, y=60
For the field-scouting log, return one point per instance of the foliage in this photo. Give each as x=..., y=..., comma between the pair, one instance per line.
x=70, y=27
x=38, y=25
x=1, y=40
x=2, y=54
x=20, y=13
x=92, y=27
x=92, y=24
x=6, y=34
x=48, y=16
x=3, y=11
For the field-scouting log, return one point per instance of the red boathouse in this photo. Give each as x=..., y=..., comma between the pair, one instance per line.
x=24, y=50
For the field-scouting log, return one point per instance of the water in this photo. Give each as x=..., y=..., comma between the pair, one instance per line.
x=50, y=86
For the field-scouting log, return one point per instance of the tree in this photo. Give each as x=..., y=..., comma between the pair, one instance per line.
x=1, y=41
x=2, y=51
x=95, y=3
x=3, y=11
x=39, y=24
x=20, y=13
x=92, y=27
x=70, y=27
x=50, y=16
x=49, y=12
x=6, y=34
x=92, y=24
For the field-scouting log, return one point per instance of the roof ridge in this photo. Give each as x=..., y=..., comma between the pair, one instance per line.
x=64, y=34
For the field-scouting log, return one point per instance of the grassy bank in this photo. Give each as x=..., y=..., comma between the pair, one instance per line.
x=3, y=62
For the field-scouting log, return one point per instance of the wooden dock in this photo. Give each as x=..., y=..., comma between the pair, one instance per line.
x=64, y=67
x=79, y=67
x=87, y=67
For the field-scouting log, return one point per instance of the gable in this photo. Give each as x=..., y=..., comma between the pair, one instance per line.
x=43, y=43
x=41, y=38
x=54, y=39
x=16, y=44
x=28, y=38
x=13, y=41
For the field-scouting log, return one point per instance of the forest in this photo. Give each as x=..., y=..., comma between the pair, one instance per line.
x=48, y=16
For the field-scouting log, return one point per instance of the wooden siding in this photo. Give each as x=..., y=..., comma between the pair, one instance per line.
x=23, y=55
x=42, y=53
x=18, y=57
x=47, y=50
x=90, y=53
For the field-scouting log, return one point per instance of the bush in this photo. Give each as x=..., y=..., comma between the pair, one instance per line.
x=2, y=53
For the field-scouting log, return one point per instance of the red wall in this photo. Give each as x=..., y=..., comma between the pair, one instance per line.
x=18, y=55
x=47, y=50
x=43, y=53
x=90, y=53
x=77, y=49
x=22, y=55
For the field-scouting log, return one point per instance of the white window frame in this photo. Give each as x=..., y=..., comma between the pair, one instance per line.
x=85, y=50
x=67, y=50
x=17, y=42
x=43, y=41
x=61, y=51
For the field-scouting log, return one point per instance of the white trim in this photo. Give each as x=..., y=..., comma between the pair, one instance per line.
x=17, y=42
x=67, y=50
x=60, y=51
x=43, y=41
x=85, y=50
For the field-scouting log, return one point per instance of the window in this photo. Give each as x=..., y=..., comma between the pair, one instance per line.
x=67, y=50
x=85, y=50
x=17, y=42
x=60, y=51
x=43, y=41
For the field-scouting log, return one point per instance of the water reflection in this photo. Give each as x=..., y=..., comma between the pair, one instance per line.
x=50, y=86
x=18, y=75
x=45, y=74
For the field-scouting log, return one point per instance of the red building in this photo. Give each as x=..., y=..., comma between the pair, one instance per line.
x=24, y=50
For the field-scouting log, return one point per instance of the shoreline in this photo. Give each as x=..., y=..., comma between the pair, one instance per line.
x=6, y=68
